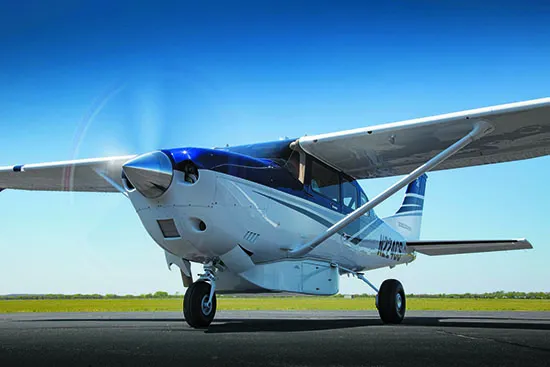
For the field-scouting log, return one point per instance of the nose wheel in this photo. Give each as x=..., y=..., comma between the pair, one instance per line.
x=199, y=304
x=391, y=302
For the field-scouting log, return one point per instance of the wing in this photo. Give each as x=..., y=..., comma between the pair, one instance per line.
x=96, y=175
x=434, y=248
x=521, y=130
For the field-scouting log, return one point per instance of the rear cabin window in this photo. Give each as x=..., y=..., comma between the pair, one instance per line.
x=349, y=194
x=363, y=199
x=325, y=181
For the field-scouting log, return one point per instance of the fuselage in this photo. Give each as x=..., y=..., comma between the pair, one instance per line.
x=264, y=202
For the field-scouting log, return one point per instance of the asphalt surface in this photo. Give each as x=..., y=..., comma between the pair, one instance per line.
x=276, y=339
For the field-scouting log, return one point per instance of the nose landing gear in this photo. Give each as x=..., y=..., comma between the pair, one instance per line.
x=198, y=308
x=199, y=303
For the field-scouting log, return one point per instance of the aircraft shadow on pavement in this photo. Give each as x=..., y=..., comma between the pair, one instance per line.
x=289, y=325
x=224, y=325
x=286, y=325
x=245, y=325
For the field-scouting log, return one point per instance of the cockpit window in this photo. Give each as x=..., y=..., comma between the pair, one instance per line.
x=293, y=164
x=325, y=181
x=349, y=194
x=290, y=163
x=279, y=152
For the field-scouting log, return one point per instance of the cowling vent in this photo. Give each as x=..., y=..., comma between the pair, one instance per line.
x=168, y=228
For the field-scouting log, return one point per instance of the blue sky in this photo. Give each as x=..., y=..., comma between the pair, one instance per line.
x=97, y=79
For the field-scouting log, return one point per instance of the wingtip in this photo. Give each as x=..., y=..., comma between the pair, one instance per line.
x=524, y=244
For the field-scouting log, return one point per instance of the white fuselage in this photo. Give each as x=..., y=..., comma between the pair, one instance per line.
x=263, y=221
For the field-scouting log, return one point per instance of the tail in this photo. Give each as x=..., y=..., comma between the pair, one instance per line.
x=408, y=219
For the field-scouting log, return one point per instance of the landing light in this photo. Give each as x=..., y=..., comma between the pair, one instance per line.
x=191, y=173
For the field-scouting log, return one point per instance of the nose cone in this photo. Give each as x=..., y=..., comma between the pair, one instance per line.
x=151, y=173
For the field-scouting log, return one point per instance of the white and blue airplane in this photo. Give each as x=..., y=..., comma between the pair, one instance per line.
x=289, y=216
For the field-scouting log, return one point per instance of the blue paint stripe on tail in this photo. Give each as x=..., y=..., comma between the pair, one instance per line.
x=417, y=214
x=414, y=203
x=418, y=186
x=405, y=209
x=413, y=200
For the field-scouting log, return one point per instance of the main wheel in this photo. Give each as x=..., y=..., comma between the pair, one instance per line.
x=391, y=302
x=196, y=310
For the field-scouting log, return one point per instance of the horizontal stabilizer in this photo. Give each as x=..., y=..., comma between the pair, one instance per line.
x=434, y=248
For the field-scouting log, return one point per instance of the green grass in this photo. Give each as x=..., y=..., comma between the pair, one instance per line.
x=270, y=303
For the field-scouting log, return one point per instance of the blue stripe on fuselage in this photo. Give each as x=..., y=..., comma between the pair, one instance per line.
x=305, y=212
x=352, y=237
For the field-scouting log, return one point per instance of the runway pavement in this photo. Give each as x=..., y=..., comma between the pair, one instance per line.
x=276, y=339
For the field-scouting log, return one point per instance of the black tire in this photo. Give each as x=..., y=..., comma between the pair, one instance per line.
x=192, y=305
x=391, y=302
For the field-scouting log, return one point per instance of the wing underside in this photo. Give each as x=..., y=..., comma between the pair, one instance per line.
x=521, y=131
x=435, y=248
x=88, y=175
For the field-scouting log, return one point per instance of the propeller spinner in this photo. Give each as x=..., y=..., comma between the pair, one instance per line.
x=150, y=174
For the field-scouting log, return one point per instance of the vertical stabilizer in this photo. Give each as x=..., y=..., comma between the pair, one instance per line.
x=408, y=219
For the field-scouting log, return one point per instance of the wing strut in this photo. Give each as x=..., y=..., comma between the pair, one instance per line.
x=480, y=129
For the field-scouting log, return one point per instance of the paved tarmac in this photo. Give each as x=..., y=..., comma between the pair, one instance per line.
x=276, y=339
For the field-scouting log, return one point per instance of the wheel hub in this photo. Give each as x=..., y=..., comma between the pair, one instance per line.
x=398, y=302
x=206, y=306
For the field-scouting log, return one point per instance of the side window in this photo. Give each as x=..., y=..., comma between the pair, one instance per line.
x=364, y=199
x=349, y=194
x=325, y=181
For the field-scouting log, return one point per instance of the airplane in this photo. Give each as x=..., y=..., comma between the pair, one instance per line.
x=289, y=215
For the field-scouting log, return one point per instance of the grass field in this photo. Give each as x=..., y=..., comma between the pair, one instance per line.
x=270, y=303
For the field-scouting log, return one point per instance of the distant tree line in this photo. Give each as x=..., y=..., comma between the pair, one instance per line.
x=490, y=295
x=495, y=295
x=161, y=294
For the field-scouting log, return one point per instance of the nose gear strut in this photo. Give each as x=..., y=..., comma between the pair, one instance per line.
x=199, y=303
x=210, y=276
